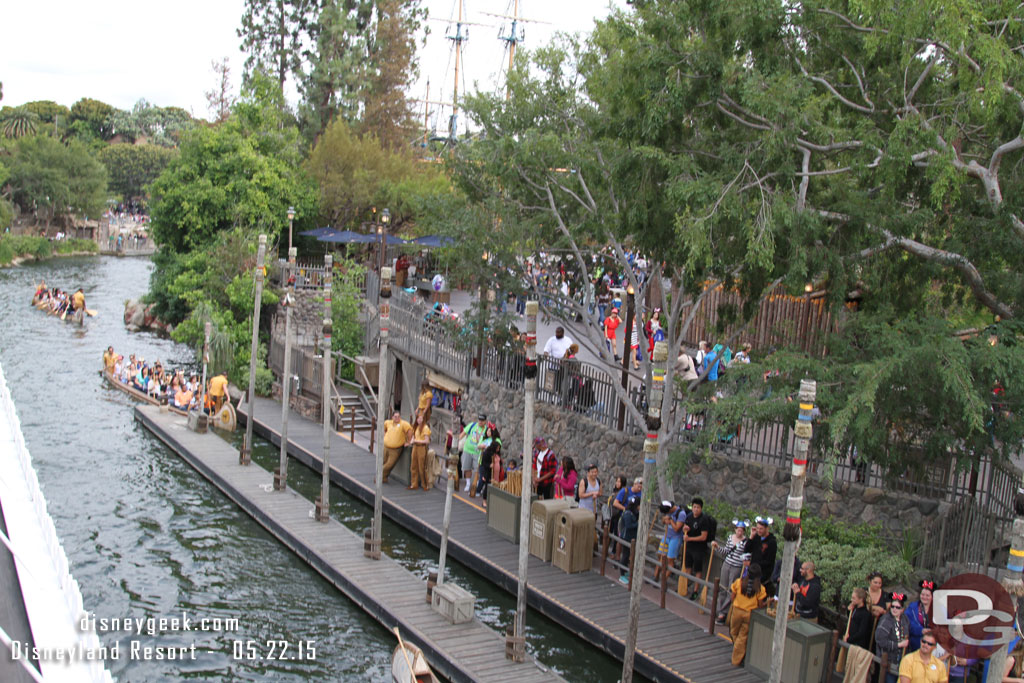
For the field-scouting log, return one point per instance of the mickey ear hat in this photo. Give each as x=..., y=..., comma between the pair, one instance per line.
x=767, y=521
x=741, y=523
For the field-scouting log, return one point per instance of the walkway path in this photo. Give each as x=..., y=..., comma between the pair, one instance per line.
x=669, y=646
x=387, y=591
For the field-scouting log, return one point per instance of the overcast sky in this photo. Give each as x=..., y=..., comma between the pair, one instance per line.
x=119, y=51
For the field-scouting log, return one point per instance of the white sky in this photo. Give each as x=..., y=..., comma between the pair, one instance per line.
x=119, y=51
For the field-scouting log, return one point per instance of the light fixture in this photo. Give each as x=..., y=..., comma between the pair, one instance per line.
x=385, y=216
x=809, y=287
x=630, y=290
x=380, y=229
x=291, y=212
x=485, y=256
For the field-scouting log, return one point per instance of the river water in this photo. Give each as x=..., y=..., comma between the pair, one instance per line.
x=147, y=537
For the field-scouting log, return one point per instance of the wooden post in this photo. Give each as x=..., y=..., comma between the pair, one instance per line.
x=883, y=668
x=630, y=567
x=352, y=428
x=245, y=455
x=604, y=545
x=791, y=530
x=373, y=430
x=281, y=475
x=657, y=392
x=664, y=580
x=452, y=462
x=526, y=495
x=324, y=503
x=714, y=605
x=382, y=406
x=833, y=654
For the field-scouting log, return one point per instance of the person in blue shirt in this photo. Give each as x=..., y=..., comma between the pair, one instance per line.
x=712, y=360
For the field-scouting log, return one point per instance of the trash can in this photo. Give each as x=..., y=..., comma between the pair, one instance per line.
x=806, y=653
x=503, y=513
x=542, y=525
x=572, y=549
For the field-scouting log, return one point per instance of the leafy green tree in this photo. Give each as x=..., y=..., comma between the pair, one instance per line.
x=863, y=148
x=48, y=111
x=160, y=125
x=56, y=180
x=355, y=173
x=133, y=167
x=93, y=116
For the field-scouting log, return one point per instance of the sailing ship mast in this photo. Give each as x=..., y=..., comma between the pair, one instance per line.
x=514, y=37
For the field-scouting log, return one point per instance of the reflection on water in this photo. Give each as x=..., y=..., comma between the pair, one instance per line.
x=148, y=537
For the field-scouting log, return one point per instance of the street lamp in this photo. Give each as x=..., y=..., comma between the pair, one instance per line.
x=483, y=308
x=291, y=217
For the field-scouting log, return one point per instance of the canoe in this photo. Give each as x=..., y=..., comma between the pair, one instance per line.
x=138, y=395
x=225, y=420
x=77, y=317
x=408, y=665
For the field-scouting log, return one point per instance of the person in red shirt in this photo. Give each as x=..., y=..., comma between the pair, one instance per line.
x=545, y=465
x=611, y=323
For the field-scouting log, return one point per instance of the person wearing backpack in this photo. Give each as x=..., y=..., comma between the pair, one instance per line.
x=589, y=489
x=628, y=523
x=673, y=518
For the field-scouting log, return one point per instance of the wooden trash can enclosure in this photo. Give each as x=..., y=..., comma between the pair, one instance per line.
x=807, y=648
x=572, y=548
x=454, y=603
x=543, y=514
x=431, y=584
x=503, y=513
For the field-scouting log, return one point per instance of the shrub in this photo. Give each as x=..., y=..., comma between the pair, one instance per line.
x=844, y=567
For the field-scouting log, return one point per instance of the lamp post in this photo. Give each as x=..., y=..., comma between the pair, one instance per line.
x=382, y=228
x=245, y=455
x=281, y=476
x=323, y=504
x=207, y=330
x=291, y=217
x=626, y=352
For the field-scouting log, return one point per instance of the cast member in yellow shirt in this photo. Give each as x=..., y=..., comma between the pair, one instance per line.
x=420, y=441
x=218, y=390
x=425, y=400
x=397, y=435
x=923, y=666
x=747, y=595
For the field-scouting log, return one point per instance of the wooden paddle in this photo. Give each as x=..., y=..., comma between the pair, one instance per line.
x=841, y=659
x=707, y=577
x=65, y=313
x=412, y=670
x=91, y=312
x=683, y=582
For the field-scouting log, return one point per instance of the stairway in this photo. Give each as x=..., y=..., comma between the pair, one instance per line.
x=353, y=405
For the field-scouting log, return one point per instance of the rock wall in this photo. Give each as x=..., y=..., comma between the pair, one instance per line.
x=307, y=317
x=735, y=481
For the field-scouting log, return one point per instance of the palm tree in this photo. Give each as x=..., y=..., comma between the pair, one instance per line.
x=18, y=122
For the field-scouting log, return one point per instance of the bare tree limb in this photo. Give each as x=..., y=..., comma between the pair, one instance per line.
x=835, y=93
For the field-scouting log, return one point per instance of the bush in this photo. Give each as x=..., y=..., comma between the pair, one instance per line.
x=843, y=567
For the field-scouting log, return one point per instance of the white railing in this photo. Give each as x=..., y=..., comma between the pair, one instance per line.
x=53, y=600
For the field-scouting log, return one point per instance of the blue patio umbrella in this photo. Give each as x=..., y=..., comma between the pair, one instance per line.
x=317, y=232
x=434, y=241
x=346, y=237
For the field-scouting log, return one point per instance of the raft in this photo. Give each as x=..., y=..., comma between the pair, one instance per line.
x=225, y=419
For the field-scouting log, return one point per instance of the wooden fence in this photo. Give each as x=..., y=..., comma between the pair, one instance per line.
x=781, y=320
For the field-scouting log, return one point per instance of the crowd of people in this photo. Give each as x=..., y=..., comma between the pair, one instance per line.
x=171, y=387
x=57, y=301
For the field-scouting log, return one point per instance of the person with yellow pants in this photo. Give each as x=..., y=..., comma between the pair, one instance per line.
x=397, y=435
x=747, y=595
x=420, y=441
x=218, y=390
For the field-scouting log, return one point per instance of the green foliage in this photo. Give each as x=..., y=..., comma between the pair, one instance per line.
x=48, y=111
x=241, y=173
x=160, y=125
x=92, y=115
x=15, y=246
x=18, y=122
x=58, y=179
x=843, y=568
x=133, y=167
x=356, y=173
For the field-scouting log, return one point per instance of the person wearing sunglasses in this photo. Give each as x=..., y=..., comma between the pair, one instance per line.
x=918, y=612
x=891, y=636
x=923, y=666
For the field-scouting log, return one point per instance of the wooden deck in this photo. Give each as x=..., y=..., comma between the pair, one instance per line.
x=670, y=648
x=386, y=590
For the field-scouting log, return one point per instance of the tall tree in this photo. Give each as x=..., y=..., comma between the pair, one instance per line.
x=392, y=55
x=276, y=35
x=56, y=181
x=219, y=99
x=132, y=168
x=94, y=115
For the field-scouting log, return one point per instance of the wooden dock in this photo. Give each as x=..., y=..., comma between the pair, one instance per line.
x=387, y=591
x=669, y=647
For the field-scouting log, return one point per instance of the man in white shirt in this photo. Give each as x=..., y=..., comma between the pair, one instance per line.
x=557, y=346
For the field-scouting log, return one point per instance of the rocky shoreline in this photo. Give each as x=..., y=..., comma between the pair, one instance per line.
x=139, y=316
